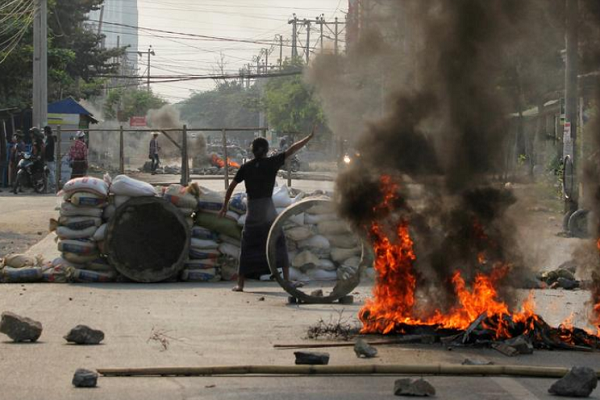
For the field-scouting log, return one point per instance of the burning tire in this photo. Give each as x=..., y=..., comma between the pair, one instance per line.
x=341, y=286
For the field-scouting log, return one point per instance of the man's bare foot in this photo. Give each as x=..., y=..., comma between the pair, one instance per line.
x=237, y=289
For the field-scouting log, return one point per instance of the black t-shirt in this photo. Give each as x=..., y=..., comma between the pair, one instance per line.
x=49, y=151
x=259, y=175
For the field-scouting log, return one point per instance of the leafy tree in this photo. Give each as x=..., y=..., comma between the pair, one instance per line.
x=75, y=59
x=228, y=105
x=123, y=104
x=291, y=104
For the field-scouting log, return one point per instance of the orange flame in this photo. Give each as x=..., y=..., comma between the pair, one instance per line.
x=392, y=306
x=217, y=161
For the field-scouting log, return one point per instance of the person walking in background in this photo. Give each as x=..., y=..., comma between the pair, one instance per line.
x=259, y=176
x=16, y=151
x=78, y=156
x=153, y=154
x=49, y=158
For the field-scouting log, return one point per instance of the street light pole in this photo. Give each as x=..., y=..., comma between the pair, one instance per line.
x=40, y=64
x=150, y=52
x=571, y=108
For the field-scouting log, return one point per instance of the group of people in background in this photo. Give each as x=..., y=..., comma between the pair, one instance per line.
x=43, y=149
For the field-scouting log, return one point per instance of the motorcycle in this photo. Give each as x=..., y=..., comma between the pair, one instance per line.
x=32, y=173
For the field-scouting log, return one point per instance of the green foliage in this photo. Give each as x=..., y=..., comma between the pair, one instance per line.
x=74, y=57
x=292, y=105
x=228, y=105
x=123, y=104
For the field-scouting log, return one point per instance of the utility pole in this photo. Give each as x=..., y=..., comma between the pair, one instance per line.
x=322, y=21
x=40, y=64
x=150, y=52
x=280, y=52
x=307, y=23
x=336, y=36
x=294, y=23
x=571, y=188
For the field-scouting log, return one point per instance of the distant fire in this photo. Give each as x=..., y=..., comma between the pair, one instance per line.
x=393, y=306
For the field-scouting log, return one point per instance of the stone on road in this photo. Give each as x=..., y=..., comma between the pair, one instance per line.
x=364, y=349
x=413, y=387
x=20, y=329
x=84, y=378
x=311, y=358
x=579, y=382
x=83, y=334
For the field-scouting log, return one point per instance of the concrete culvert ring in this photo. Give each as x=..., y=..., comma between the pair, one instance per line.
x=341, y=287
x=148, y=240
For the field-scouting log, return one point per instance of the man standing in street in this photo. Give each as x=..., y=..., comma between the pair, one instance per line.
x=16, y=152
x=49, y=158
x=153, y=154
x=78, y=156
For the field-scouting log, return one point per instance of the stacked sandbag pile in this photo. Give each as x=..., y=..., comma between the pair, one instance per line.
x=215, y=245
x=80, y=230
x=321, y=246
x=185, y=198
x=21, y=268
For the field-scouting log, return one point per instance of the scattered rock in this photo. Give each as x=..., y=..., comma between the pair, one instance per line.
x=413, y=387
x=311, y=358
x=579, y=382
x=317, y=293
x=364, y=349
x=261, y=299
x=566, y=284
x=20, y=329
x=83, y=334
x=84, y=378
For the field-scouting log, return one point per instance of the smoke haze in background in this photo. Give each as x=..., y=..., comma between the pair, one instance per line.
x=444, y=129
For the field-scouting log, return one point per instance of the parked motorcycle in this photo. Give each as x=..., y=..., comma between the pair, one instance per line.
x=31, y=173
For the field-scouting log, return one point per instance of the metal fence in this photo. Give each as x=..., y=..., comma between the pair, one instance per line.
x=168, y=133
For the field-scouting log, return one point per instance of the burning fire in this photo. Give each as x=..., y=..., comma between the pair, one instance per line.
x=392, y=308
x=217, y=161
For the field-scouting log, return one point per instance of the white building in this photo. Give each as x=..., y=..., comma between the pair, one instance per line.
x=119, y=25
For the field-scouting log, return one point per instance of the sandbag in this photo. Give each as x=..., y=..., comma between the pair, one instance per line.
x=86, y=199
x=200, y=275
x=69, y=210
x=21, y=261
x=305, y=260
x=344, y=241
x=21, y=275
x=123, y=185
x=65, y=233
x=297, y=275
x=57, y=274
x=86, y=184
x=229, y=268
x=316, y=242
x=210, y=201
x=229, y=239
x=78, y=258
x=213, y=223
x=99, y=265
x=324, y=208
x=204, y=244
x=119, y=200
x=328, y=228
x=181, y=197
x=349, y=268
x=61, y=262
x=322, y=275
x=78, y=223
x=86, y=276
x=109, y=212
x=197, y=254
x=239, y=203
x=298, y=233
x=230, y=250
x=79, y=247
x=201, y=264
x=340, y=255
x=242, y=220
x=186, y=211
x=313, y=219
x=199, y=232
x=281, y=197
x=326, y=264
x=100, y=234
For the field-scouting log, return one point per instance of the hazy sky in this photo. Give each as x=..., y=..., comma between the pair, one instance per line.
x=236, y=19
